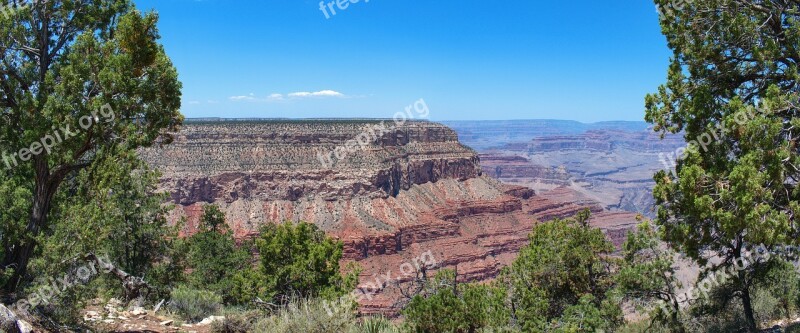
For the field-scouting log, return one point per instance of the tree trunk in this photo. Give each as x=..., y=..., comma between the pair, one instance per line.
x=42, y=196
x=677, y=325
x=749, y=315
x=133, y=285
x=747, y=301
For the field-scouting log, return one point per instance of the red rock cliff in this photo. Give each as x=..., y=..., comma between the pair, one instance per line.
x=409, y=190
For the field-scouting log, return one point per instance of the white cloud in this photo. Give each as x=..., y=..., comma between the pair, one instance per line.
x=275, y=97
x=250, y=97
x=321, y=93
x=295, y=95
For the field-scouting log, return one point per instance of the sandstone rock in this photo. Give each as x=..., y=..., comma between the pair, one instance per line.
x=613, y=161
x=24, y=327
x=411, y=190
x=211, y=319
x=138, y=311
x=166, y=323
x=8, y=320
x=92, y=316
x=10, y=323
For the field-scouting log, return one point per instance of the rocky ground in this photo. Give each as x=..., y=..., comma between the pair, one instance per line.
x=113, y=317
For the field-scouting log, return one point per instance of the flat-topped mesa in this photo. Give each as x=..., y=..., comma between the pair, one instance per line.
x=411, y=190
x=290, y=160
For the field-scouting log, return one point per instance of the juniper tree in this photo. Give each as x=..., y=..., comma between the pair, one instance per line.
x=732, y=88
x=564, y=270
x=648, y=276
x=65, y=61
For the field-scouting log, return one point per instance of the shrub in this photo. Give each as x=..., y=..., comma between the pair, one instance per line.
x=309, y=316
x=376, y=325
x=643, y=326
x=565, y=262
x=194, y=305
x=766, y=306
x=236, y=322
x=465, y=308
x=214, y=256
x=297, y=260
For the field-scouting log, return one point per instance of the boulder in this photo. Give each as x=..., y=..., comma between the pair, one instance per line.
x=10, y=323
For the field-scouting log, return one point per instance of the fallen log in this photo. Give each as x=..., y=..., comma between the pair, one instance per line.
x=133, y=285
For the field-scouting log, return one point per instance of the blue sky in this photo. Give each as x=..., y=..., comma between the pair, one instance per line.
x=583, y=60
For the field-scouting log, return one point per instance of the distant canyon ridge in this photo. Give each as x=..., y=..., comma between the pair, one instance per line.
x=414, y=188
x=610, y=162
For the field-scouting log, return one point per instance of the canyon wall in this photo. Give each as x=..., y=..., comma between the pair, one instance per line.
x=611, y=162
x=402, y=192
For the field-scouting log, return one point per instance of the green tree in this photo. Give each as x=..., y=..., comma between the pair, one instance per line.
x=110, y=209
x=213, y=255
x=77, y=78
x=585, y=316
x=648, y=276
x=732, y=90
x=297, y=261
x=782, y=282
x=567, y=264
x=458, y=307
x=113, y=208
x=15, y=197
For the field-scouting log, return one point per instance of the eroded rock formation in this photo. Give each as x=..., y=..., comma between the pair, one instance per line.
x=409, y=190
x=611, y=162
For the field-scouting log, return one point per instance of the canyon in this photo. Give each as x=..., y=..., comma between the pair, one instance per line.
x=413, y=189
x=612, y=163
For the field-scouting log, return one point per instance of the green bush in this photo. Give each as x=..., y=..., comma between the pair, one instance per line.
x=465, y=308
x=194, y=305
x=644, y=326
x=213, y=255
x=766, y=306
x=793, y=328
x=297, y=260
x=567, y=265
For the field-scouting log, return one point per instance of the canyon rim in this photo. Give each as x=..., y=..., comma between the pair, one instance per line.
x=414, y=189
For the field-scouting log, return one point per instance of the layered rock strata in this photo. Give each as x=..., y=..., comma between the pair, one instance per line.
x=612, y=162
x=410, y=189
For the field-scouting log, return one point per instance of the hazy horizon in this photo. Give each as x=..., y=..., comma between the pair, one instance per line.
x=190, y=119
